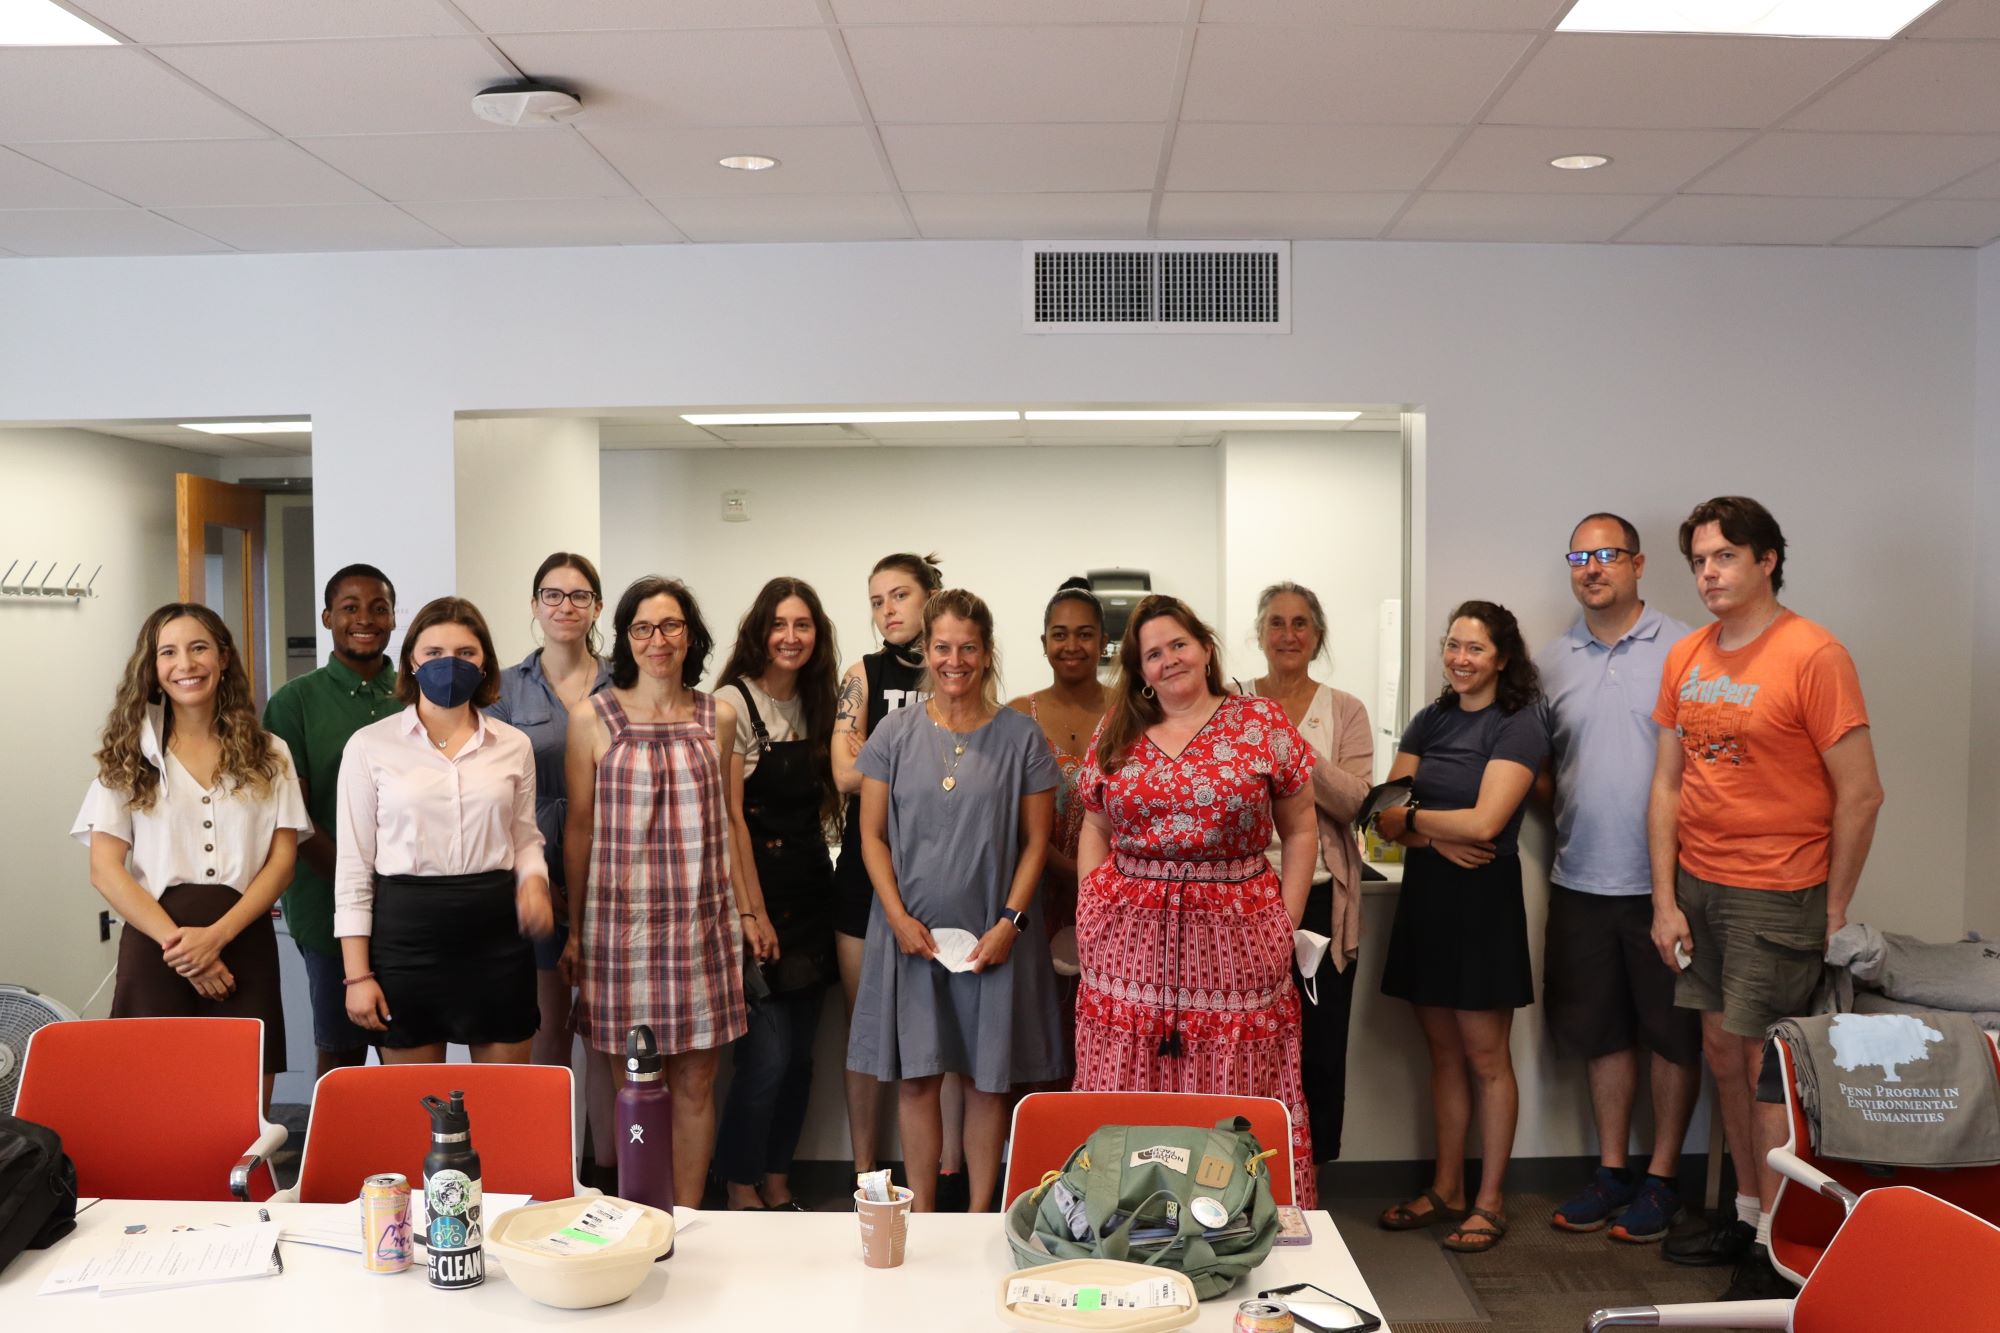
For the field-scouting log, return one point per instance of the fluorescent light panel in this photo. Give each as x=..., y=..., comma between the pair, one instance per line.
x=834, y=418
x=40, y=23
x=249, y=427
x=1873, y=19
x=1192, y=416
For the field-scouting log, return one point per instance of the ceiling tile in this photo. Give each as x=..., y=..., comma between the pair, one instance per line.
x=1378, y=76
x=1965, y=18
x=976, y=158
x=606, y=15
x=1652, y=82
x=1942, y=87
x=526, y=164
x=1720, y=219
x=1959, y=222
x=156, y=21
x=379, y=86
x=1890, y=166
x=204, y=171
x=1515, y=159
x=812, y=159
x=104, y=92
x=947, y=75
x=1981, y=185
x=1009, y=11
x=1437, y=216
x=98, y=231
x=1294, y=157
x=28, y=184
x=1486, y=15
x=1068, y=217
x=547, y=222
x=1303, y=217
x=789, y=217
x=327, y=227
x=780, y=76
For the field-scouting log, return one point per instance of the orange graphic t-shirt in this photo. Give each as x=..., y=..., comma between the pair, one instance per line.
x=1756, y=799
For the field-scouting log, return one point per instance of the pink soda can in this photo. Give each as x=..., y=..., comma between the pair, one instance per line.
x=385, y=1223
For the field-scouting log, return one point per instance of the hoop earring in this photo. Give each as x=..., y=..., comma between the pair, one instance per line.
x=1147, y=691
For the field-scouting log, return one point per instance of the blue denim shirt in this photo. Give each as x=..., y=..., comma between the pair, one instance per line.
x=1604, y=742
x=529, y=702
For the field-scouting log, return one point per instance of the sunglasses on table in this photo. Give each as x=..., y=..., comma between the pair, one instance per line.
x=1605, y=555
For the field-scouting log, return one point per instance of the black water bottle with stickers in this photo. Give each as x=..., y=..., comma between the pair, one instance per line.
x=454, y=1235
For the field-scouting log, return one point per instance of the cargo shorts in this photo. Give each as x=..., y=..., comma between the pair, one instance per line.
x=1758, y=953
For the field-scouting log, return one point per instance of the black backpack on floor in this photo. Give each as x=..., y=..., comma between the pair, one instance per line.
x=37, y=1188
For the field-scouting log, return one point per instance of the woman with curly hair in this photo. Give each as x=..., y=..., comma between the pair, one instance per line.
x=1458, y=950
x=193, y=824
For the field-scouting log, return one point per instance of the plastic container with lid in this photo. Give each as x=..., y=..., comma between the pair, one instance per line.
x=588, y=1273
x=1101, y=1273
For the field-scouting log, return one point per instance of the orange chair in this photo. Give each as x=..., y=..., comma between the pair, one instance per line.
x=1815, y=1192
x=1902, y=1259
x=367, y=1120
x=1048, y=1127
x=155, y=1108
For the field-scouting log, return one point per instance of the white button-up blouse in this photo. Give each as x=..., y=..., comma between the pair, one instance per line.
x=194, y=834
x=406, y=809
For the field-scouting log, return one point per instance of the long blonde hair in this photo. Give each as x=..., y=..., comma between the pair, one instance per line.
x=1132, y=709
x=248, y=759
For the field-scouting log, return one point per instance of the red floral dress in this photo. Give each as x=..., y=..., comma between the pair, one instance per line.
x=1182, y=933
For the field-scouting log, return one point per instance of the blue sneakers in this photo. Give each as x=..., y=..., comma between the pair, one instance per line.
x=1651, y=1213
x=1603, y=1199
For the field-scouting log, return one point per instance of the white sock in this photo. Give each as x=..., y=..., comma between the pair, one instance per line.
x=1764, y=1230
x=1746, y=1209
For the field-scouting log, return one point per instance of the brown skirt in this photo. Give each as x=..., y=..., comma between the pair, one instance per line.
x=148, y=988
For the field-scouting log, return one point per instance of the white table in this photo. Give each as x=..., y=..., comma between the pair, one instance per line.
x=758, y=1272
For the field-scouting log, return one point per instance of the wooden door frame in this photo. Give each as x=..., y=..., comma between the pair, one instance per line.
x=198, y=503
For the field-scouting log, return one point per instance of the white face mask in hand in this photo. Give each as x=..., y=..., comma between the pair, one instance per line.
x=1310, y=950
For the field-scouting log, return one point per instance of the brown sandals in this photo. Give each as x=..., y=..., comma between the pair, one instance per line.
x=1476, y=1242
x=1401, y=1217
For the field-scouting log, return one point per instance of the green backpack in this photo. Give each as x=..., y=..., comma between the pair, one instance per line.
x=1139, y=1186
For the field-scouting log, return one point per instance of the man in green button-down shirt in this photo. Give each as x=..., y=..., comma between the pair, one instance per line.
x=315, y=715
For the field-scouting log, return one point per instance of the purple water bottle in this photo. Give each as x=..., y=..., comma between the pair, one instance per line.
x=646, y=1125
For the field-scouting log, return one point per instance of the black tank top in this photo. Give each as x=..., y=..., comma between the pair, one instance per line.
x=892, y=683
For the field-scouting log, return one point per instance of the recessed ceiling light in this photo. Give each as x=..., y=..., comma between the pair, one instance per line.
x=1192, y=416
x=1873, y=19
x=834, y=418
x=44, y=23
x=1579, y=162
x=748, y=162
x=249, y=427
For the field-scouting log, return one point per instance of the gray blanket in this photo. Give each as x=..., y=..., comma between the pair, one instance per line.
x=1897, y=1089
x=1963, y=976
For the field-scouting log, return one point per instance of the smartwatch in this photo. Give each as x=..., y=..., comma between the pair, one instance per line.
x=1019, y=919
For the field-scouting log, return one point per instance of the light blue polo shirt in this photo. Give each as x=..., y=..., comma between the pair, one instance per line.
x=1604, y=743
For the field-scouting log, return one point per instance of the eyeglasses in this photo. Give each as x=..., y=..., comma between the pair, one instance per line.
x=643, y=630
x=582, y=599
x=1606, y=555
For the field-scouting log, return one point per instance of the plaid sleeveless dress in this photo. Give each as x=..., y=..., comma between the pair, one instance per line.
x=661, y=943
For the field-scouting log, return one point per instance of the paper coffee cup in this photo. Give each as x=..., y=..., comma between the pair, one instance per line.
x=883, y=1227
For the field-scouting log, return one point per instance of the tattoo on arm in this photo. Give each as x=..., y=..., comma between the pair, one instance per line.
x=847, y=714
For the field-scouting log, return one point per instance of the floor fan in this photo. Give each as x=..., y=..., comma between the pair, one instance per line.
x=22, y=1011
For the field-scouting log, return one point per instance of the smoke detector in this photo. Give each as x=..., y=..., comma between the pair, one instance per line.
x=525, y=103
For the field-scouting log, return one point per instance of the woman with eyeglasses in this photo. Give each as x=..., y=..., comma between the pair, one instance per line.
x=565, y=599
x=1458, y=951
x=656, y=923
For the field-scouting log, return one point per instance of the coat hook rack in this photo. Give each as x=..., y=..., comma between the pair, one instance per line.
x=48, y=587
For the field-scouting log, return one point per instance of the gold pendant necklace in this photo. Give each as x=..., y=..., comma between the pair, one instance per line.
x=956, y=746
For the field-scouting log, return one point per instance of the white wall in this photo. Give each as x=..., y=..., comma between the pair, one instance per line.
x=1983, y=791
x=527, y=486
x=71, y=495
x=1836, y=385
x=1008, y=523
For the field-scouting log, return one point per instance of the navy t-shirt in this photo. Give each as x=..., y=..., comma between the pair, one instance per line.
x=1455, y=747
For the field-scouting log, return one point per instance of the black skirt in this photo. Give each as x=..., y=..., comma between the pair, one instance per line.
x=448, y=952
x=148, y=988
x=1460, y=939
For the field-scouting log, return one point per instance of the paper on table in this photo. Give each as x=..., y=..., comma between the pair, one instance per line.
x=1151, y=1294
x=173, y=1259
x=954, y=948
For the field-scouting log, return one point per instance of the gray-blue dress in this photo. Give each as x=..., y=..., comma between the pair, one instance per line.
x=955, y=853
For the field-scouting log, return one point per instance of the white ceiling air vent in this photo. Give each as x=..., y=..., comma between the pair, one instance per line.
x=1152, y=287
